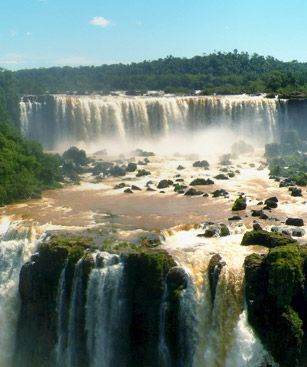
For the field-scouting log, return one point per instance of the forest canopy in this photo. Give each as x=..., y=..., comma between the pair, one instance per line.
x=223, y=73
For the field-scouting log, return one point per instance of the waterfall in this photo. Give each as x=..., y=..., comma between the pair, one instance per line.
x=105, y=313
x=164, y=355
x=58, y=121
x=219, y=332
x=17, y=243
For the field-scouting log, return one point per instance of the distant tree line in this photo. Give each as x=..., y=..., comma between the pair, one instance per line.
x=222, y=73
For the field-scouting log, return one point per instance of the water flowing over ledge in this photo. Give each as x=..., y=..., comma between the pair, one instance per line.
x=58, y=121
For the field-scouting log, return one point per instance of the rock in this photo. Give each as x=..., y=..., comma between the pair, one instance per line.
x=179, y=188
x=235, y=218
x=266, y=239
x=150, y=240
x=271, y=203
x=119, y=186
x=298, y=232
x=220, y=192
x=209, y=232
x=180, y=167
x=224, y=230
x=257, y=227
x=257, y=213
x=295, y=191
x=221, y=176
x=179, y=180
x=274, y=293
x=135, y=188
x=201, y=164
x=178, y=277
x=143, y=172
x=298, y=222
x=201, y=182
x=193, y=192
x=142, y=153
x=132, y=167
x=150, y=188
x=128, y=191
x=163, y=184
x=264, y=216
x=117, y=171
x=239, y=204
x=215, y=267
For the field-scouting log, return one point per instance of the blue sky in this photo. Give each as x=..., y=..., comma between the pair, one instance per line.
x=40, y=33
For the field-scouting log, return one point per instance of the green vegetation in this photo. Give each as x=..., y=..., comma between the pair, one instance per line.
x=222, y=73
x=24, y=169
x=275, y=294
x=239, y=204
x=267, y=239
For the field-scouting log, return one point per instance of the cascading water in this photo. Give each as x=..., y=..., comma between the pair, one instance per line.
x=58, y=121
x=221, y=334
x=17, y=243
x=105, y=311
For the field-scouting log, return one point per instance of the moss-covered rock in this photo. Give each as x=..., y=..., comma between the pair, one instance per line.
x=239, y=204
x=38, y=288
x=276, y=302
x=266, y=239
x=202, y=182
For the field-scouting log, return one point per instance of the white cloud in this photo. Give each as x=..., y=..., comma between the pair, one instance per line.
x=100, y=22
x=28, y=34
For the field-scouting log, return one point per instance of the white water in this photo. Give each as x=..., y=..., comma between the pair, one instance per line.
x=104, y=312
x=59, y=121
x=222, y=336
x=17, y=243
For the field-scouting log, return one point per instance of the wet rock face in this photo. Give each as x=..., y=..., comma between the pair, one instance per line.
x=38, y=288
x=216, y=265
x=275, y=289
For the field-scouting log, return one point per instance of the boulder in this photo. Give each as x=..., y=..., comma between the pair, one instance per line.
x=201, y=164
x=193, y=192
x=163, y=184
x=202, y=182
x=298, y=222
x=239, y=204
x=266, y=239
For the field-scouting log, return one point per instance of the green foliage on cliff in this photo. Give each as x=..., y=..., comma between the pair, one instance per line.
x=223, y=73
x=24, y=169
x=275, y=294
